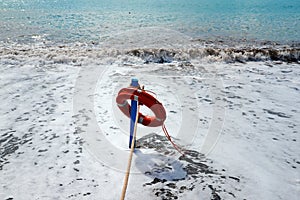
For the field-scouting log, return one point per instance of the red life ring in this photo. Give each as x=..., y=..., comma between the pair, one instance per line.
x=143, y=98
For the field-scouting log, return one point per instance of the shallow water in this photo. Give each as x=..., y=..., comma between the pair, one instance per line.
x=95, y=20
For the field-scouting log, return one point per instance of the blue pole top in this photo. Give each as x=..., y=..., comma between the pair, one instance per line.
x=134, y=82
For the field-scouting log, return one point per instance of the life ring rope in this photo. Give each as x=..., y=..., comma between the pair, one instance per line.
x=170, y=139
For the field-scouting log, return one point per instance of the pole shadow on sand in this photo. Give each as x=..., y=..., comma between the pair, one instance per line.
x=173, y=176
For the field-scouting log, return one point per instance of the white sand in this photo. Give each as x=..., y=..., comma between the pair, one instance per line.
x=62, y=136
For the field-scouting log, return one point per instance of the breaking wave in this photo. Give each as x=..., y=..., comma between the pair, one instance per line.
x=78, y=53
x=150, y=45
x=218, y=54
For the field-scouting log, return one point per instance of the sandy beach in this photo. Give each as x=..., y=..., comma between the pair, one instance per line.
x=63, y=137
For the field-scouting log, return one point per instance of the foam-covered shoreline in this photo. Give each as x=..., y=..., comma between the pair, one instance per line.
x=208, y=53
x=154, y=45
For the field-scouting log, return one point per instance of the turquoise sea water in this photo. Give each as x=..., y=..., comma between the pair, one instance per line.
x=94, y=20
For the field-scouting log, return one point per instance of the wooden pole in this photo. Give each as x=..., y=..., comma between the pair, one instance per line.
x=129, y=159
x=134, y=114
